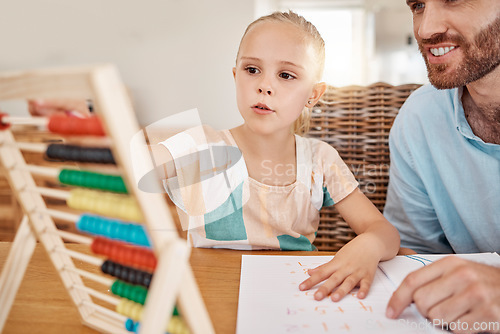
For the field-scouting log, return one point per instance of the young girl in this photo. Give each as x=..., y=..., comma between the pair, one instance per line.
x=270, y=197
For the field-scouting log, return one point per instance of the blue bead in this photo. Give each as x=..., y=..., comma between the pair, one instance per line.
x=129, y=325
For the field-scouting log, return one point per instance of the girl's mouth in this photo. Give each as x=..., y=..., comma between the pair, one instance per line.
x=262, y=109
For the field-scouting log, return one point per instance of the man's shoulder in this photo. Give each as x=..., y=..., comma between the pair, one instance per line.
x=426, y=113
x=428, y=98
x=427, y=106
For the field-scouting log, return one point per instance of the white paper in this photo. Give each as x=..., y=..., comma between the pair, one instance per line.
x=397, y=268
x=271, y=302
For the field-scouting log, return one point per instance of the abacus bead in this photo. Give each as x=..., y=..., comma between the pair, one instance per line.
x=137, y=313
x=87, y=155
x=132, y=276
x=131, y=292
x=132, y=234
x=134, y=295
x=139, y=237
x=176, y=325
x=122, y=292
x=117, y=229
x=114, y=250
x=94, y=246
x=114, y=287
x=104, y=228
x=105, y=267
x=124, y=233
x=142, y=298
x=139, y=277
x=151, y=263
x=99, y=206
x=143, y=294
x=79, y=179
x=74, y=153
x=130, y=325
x=120, y=307
x=117, y=272
x=106, y=183
x=99, y=156
x=127, y=308
x=112, y=267
x=120, y=289
x=123, y=273
x=81, y=225
x=106, y=248
x=3, y=126
x=147, y=280
x=103, y=244
x=142, y=261
x=111, y=184
x=134, y=258
x=94, y=226
x=144, y=239
x=137, y=258
x=126, y=288
x=114, y=230
x=119, y=255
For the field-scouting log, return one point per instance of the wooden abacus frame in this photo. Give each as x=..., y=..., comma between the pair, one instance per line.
x=173, y=280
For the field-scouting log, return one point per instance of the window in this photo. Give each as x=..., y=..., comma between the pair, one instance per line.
x=365, y=43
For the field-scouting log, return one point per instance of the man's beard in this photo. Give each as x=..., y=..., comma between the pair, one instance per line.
x=479, y=57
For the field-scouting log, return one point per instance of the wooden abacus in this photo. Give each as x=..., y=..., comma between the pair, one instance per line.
x=141, y=222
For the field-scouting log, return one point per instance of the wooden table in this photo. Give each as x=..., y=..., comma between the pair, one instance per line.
x=42, y=305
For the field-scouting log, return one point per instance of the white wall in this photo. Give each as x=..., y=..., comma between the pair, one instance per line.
x=172, y=54
x=366, y=40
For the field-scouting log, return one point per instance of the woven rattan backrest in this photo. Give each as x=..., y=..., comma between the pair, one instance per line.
x=356, y=121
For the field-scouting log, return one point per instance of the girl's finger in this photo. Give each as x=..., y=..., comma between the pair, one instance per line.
x=326, y=288
x=330, y=267
x=311, y=272
x=319, y=275
x=347, y=285
x=364, y=287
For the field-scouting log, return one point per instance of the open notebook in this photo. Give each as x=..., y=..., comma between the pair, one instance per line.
x=270, y=301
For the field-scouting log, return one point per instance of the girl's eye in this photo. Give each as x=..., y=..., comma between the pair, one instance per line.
x=286, y=76
x=252, y=70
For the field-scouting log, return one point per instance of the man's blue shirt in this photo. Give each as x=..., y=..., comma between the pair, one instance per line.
x=444, y=189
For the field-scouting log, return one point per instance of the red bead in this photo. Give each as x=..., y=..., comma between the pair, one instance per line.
x=3, y=126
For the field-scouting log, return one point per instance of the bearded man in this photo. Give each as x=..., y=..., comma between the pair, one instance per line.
x=444, y=189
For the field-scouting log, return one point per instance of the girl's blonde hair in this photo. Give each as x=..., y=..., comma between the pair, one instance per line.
x=302, y=124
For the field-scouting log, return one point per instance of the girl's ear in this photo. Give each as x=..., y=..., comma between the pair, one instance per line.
x=317, y=92
x=234, y=72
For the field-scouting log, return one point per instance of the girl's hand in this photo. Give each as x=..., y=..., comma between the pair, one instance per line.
x=47, y=107
x=351, y=267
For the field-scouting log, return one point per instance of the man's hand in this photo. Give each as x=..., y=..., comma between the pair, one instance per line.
x=451, y=290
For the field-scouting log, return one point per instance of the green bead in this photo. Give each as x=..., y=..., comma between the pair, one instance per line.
x=92, y=180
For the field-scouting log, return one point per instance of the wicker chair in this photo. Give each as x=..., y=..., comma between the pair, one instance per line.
x=356, y=121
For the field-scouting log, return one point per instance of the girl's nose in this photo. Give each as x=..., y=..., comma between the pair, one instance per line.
x=267, y=91
x=265, y=85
